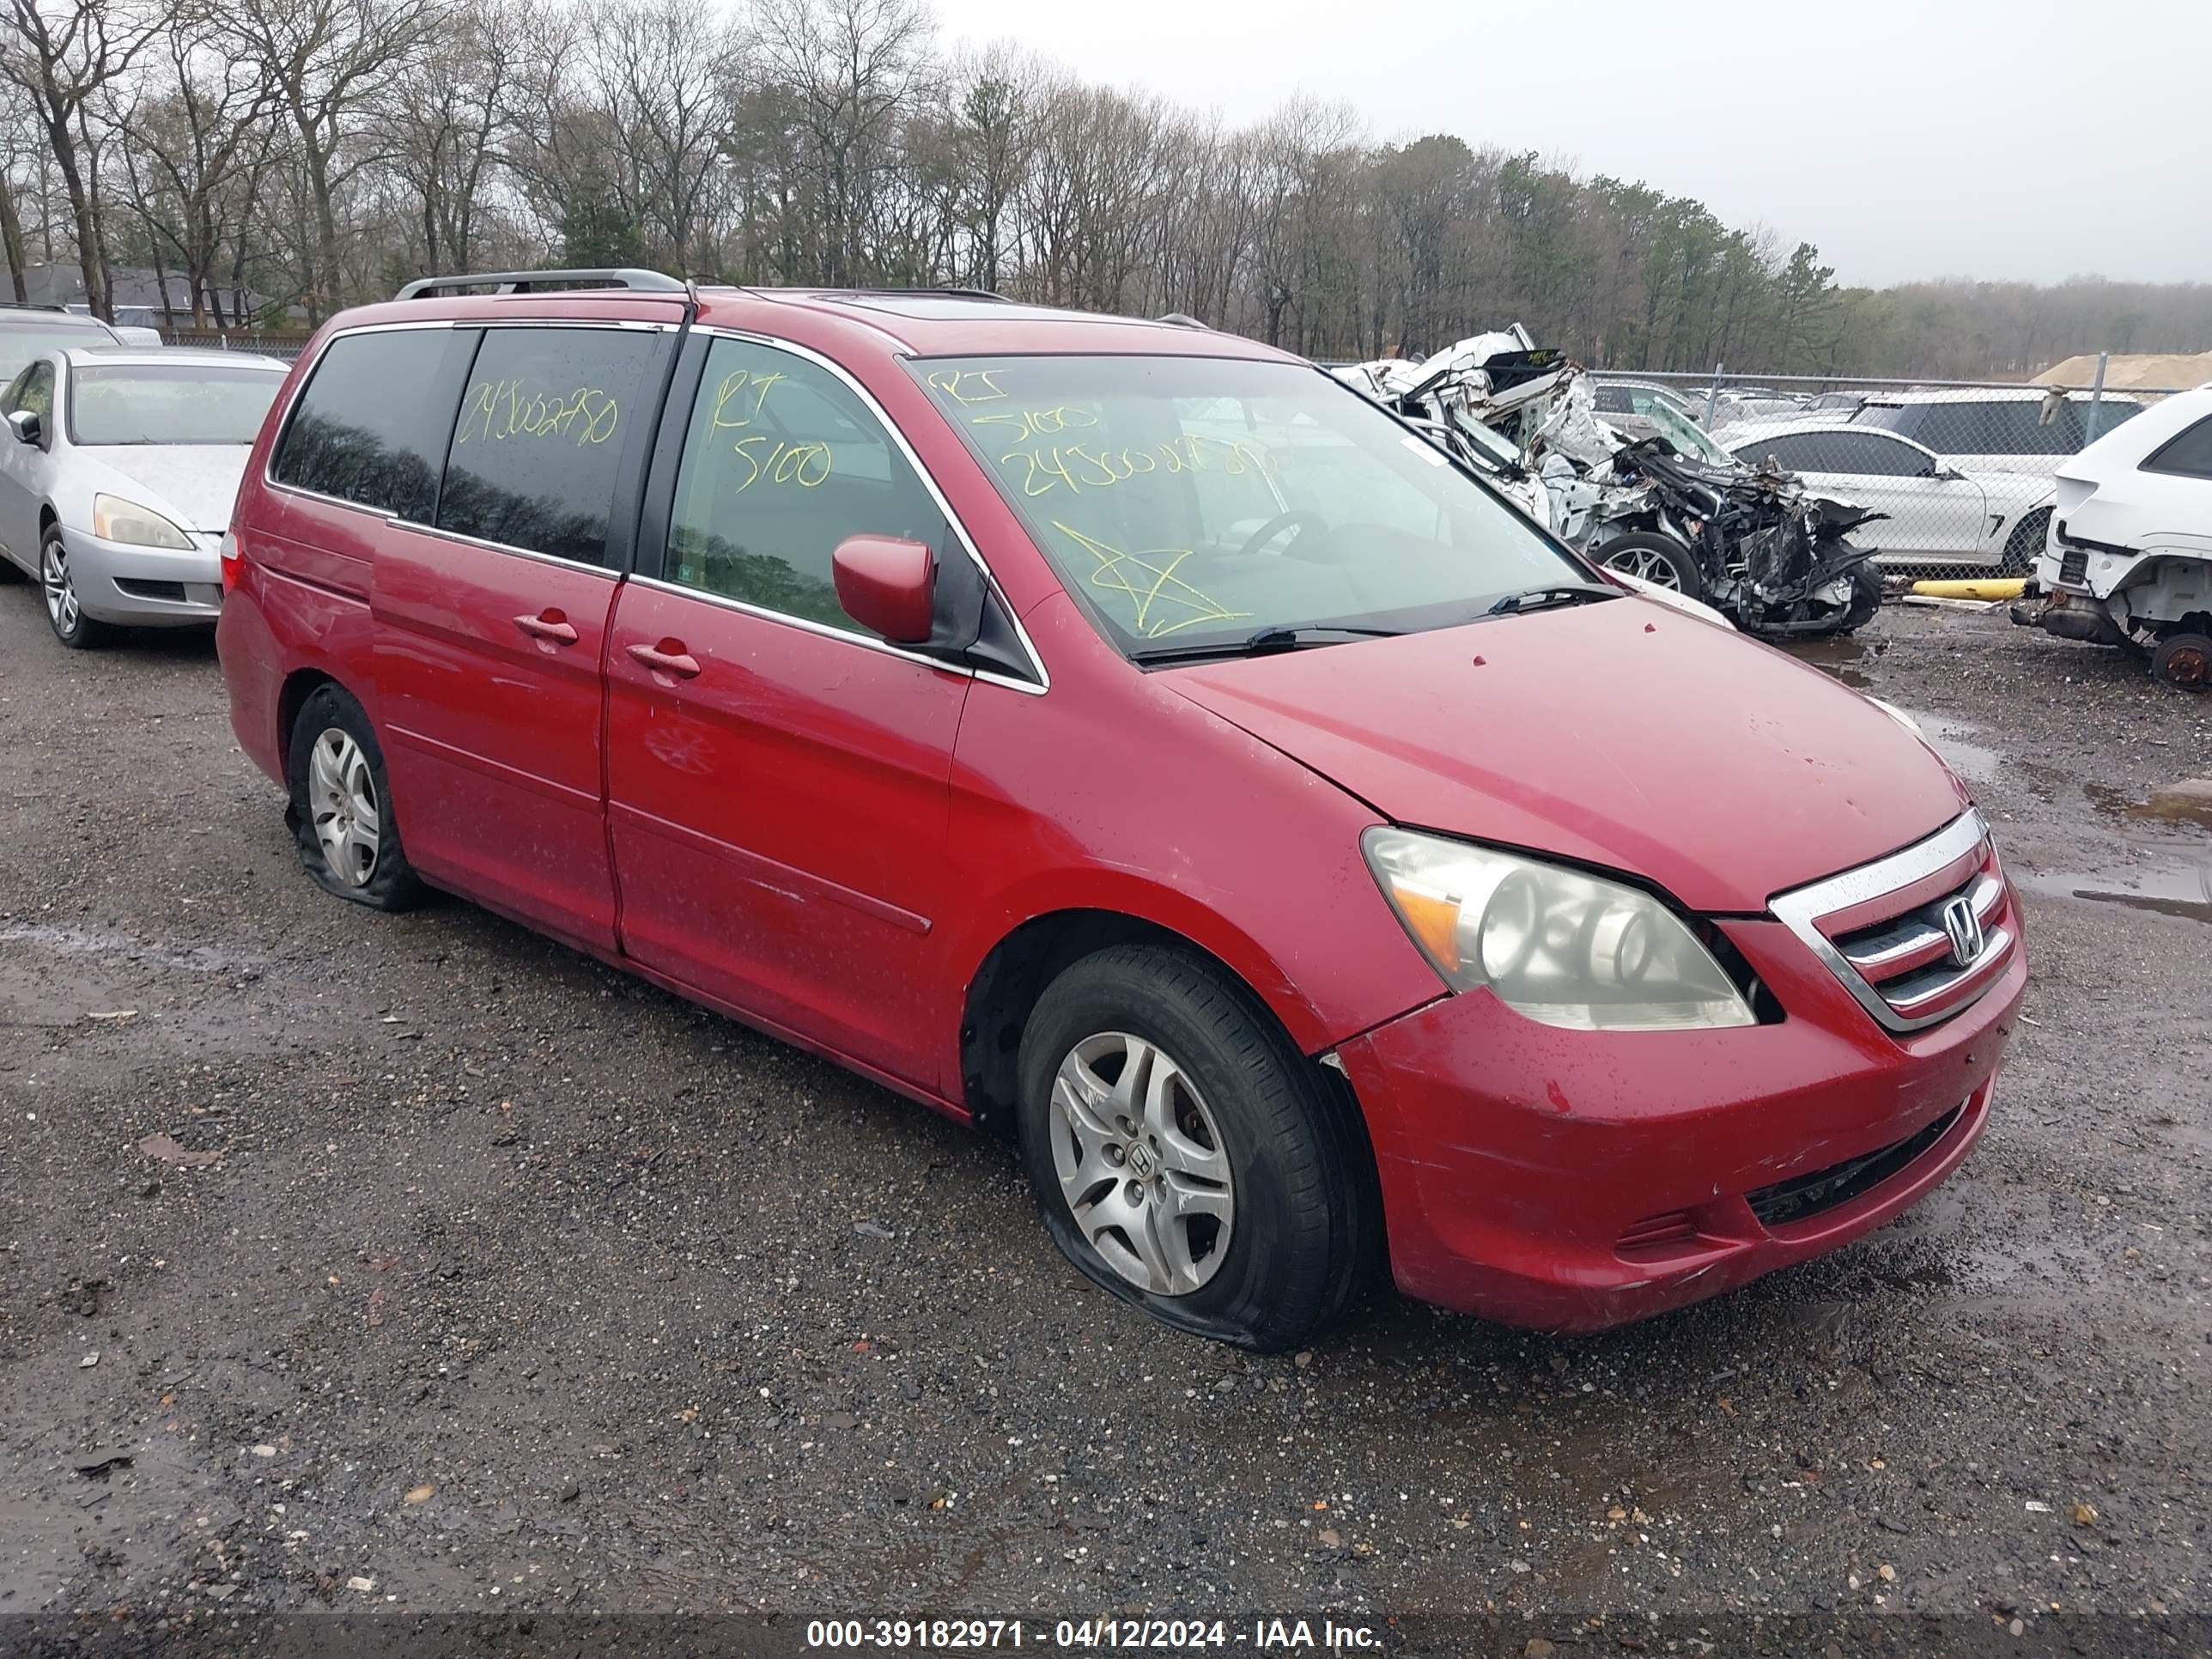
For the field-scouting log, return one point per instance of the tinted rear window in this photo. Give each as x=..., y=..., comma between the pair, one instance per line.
x=2188, y=452
x=539, y=448
x=371, y=426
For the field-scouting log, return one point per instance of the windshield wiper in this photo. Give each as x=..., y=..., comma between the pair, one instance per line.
x=1265, y=640
x=1540, y=599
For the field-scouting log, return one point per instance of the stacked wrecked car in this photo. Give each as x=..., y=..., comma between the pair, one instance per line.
x=1672, y=511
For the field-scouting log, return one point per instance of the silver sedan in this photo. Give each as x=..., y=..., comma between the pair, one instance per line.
x=116, y=476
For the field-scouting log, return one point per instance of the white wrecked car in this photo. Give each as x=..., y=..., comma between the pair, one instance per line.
x=2129, y=559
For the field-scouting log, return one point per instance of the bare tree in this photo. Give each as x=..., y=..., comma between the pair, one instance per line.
x=61, y=52
x=196, y=125
x=854, y=67
x=445, y=123
x=327, y=62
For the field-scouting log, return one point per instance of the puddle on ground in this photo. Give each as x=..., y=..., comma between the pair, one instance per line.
x=1835, y=657
x=2164, y=806
x=2166, y=889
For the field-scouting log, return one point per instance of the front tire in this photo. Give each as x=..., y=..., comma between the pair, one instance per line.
x=64, y=607
x=1866, y=599
x=341, y=807
x=1187, y=1157
x=1655, y=558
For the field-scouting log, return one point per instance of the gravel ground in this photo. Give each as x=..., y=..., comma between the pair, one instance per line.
x=485, y=1276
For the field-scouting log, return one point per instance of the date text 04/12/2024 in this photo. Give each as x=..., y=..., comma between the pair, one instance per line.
x=1164, y=1634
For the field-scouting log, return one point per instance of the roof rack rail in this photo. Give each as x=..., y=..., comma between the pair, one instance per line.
x=524, y=281
x=934, y=292
x=36, y=304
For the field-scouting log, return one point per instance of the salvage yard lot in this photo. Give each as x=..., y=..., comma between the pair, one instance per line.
x=509, y=1273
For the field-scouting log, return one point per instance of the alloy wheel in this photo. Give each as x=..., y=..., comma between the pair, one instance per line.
x=1646, y=565
x=62, y=607
x=341, y=803
x=1141, y=1163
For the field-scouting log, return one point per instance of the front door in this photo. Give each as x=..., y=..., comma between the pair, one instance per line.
x=778, y=781
x=1930, y=516
x=490, y=623
x=24, y=467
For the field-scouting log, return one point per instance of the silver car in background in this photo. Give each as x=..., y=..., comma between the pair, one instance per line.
x=117, y=476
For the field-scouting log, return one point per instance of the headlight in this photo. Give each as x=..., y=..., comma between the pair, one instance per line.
x=114, y=520
x=1563, y=948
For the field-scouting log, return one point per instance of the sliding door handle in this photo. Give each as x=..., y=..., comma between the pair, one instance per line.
x=668, y=660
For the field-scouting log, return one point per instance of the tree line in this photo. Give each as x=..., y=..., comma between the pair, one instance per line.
x=276, y=160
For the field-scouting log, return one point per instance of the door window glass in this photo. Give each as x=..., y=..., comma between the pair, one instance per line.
x=782, y=462
x=1869, y=456
x=1797, y=452
x=1894, y=417
x=366, y=429
x=38, y=393
x=2012, y=426
x=2109, y=412
x=537, y=448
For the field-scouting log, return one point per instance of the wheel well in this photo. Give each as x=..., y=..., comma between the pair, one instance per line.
x=299, y=686
x=47, y=518
x=1006, y=988
x=1014, y=975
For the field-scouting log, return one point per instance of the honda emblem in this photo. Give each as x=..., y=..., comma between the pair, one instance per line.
x=1963, y=926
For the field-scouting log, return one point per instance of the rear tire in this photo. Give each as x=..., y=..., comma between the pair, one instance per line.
x=341, y=810
x=1234, y=1196
x=2183, y=661
x=1655, y=558
x=2026, y=541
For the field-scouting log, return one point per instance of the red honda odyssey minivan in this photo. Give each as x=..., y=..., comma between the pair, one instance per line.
x=1123, y=735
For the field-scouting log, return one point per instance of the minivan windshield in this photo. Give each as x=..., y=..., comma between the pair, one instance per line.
x=1197, y=500
x=170, y=404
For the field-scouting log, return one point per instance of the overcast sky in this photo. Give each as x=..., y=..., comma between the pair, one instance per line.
x=1992, y=138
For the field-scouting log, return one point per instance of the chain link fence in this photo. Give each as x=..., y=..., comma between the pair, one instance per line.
x=1965, y=471
x=286, y=345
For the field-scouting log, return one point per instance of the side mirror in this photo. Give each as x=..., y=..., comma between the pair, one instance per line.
x=888, y=585
x=26, y=427
x=1947, y=474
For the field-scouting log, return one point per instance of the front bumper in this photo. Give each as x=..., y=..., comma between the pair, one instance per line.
x=146, y=587
x=1575, y=1180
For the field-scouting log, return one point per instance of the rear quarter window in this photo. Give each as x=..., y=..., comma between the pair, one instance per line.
x=371, y=426
x=2188, y=453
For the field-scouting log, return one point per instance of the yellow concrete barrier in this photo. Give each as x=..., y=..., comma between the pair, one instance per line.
x=1992, y=587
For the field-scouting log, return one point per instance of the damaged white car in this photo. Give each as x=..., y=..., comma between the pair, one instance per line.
x=2129, y=561
x=1672, y=510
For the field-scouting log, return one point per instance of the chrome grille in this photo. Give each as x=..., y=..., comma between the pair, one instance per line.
x=1885, y=929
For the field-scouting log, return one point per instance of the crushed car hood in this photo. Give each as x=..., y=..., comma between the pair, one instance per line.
x=1619, y=734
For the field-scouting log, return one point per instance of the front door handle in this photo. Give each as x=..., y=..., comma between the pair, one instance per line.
x=668, y=660
x=548, y=624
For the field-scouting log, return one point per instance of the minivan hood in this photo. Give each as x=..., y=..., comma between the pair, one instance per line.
x=1620, y=734
x=197, y=481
